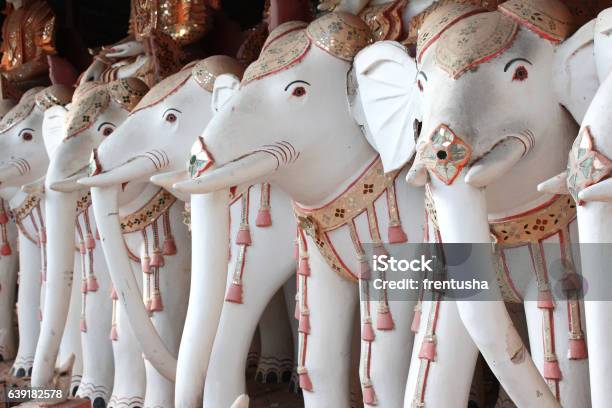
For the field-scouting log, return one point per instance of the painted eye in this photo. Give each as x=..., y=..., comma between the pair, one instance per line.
x=520, y=74
x=171, y=117
x=107, y=131
x=299, y=91
x=27, y=136
x=420, y=85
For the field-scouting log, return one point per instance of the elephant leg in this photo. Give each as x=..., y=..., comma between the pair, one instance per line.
x=442, y=378
x=98, y=364
x=325, y=352
x=8, y=284
x=28, y=306
x=276, y=359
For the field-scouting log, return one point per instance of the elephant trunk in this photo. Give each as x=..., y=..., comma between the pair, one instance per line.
x=105, y=205
x=209, y=255
x=60, y=215
x=8, y=172
x=462, y=217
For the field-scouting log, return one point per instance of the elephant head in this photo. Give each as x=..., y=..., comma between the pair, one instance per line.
x=495, y=97
x=23, y=157
x=95, y=111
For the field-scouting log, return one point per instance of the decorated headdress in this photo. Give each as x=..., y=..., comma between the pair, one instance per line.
x=282, y=30
x=163, y=89
x=474, y=40
x=127, y=92
x=341, y=35
x=206, y=71
x=54, y=95
x=20, y=111
x=550, y=19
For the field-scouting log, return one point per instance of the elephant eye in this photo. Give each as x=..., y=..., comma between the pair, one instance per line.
x=520, y=74
x=27, y=136
x=299, y=91
x=171, y=117
x=107, y=131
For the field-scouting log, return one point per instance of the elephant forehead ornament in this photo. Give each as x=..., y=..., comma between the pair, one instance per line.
x=341, y=35
x=20, y=111
x=586, y=166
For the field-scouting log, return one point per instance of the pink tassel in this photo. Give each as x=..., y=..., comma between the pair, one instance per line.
x=113, y=333
x=6, y=249
x=263, y=218
x=157, y=259
x=156, y=302
x=82, y=249
x=304, y=326
x=234, y=293
x=90, y=242
x=92, y=284
x=84, y=286
x=369, y=396
x=244, y=236
x=169, y=246
x=552, y=370
x=545, y=300
x=384, y=321
x=145, y=264
x=4, y=219
x=365, y=273
x=397, y=235
x=114, y=295
x=303, y=267
x=416, y=319
x=367, y=332
x=83, y=325
x=428, y=349
x=577, y=349
x=305, y=383
x=43, y=236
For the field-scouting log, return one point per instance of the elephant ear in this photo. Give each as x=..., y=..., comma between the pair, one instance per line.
x=603, y=44
x=53, y=127
x=225, y=87
x=390, y=100
x=575, y=75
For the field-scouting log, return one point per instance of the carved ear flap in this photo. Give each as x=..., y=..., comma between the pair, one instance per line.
x=603, y=43
x=575, y=73
x=225, y=87
x=390, y=99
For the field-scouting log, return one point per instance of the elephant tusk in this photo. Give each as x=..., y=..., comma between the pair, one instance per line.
x=601, y=191
x=69, y=184
x=241, y=402
x=134, y=169
x=249, y=169
x=555, y=185
x=497, y=162
x=168, y=179
x=36, y=187
x=417, y=175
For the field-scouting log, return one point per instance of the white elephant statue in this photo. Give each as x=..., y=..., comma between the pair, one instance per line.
x=289, y=124
x=25, y=161
x=175, y=105
x=587, y=179
x=479, y=89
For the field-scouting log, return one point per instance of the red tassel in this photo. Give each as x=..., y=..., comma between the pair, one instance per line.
x=43, y=236
x=90, y=242
x=169, y=246
x=304, y=326
x=82, y=248
x=84, y=286
x=577, y=349
x=92, y=284
x=83, y=325
x=369, y=396
x=416, y=319
x=145, y=264
x=305, y=383
x=244, y=236
x=304, y=267
x=384, y=321
x=545, y=300
x=114, y=295
x=234, y=293
x=367, y=332
x=157, y=259
x=4, y=219
x=263, y=218
x=365, y=273
x=428, y=349
x=396, y=234
x=156, y=302
x=552, y=370
x=6, y=249
x=113, y=333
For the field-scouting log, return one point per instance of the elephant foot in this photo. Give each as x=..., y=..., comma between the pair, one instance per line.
x=125, y=402
x=22, y=368
x=98, y=403
x=96, y=393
